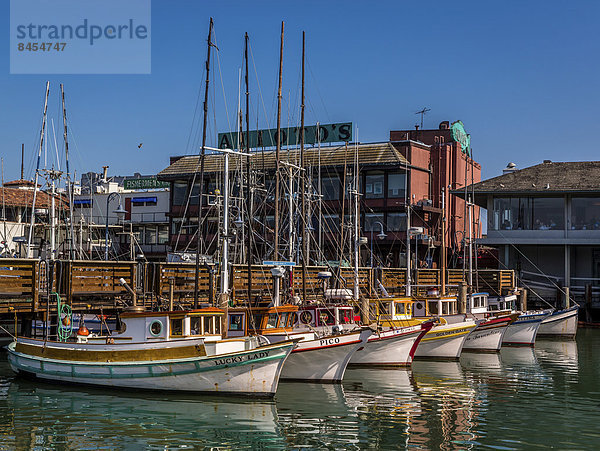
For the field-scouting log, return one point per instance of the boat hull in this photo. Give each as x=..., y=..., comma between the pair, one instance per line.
x=253, y=372
x=488, y=335
x=523, y=332
x=323, y=359
x=444, y=341
x=562, y=324
x=391, y=347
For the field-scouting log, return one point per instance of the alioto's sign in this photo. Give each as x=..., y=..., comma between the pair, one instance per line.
x=290, y=136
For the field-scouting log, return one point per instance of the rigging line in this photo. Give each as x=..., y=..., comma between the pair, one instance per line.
x=262, y=100
x=315, y=84
x=558, y=287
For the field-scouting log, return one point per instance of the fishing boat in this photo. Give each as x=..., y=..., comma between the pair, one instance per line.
x=524, y=330
x=179, y=351
x=491, y=327
x=443, y=340
x=561, y=323
x=319, y=356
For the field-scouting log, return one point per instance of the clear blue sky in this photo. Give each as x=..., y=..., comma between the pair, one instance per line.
x=522, y=76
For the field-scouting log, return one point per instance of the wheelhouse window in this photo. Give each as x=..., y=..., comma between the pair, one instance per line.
x=326, y=317
x=195, y=325
x=236, y=321
x=209, y=325
x=396, y=185
x=177, y=326
x=272, y=323
x=433, y=307
x=585, y=213
x=400, y=308
x=374, y=185
x=345, y=315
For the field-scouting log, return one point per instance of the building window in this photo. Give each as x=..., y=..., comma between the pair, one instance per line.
x=548, y=213
x=371, y=220
x=396, y=222
x=143, y=201
x=527, y=213
x=150, y=235
x=194, y=195
x=585, y=213
x=82, y=203
x=330, y=188
x=179, y=193
x=374, y=185
x=163, y=234
x=396, y=185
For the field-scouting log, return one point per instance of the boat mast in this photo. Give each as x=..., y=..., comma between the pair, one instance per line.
x=320, y=189
x=249, y=196
x=37, y=173
x=303, y=180
x=443, y=249
x=69, y=182
x=408, y=255
x=277, y=150
x=469, y=210
x=356, y=222
x=202, y=153
x=4, y=236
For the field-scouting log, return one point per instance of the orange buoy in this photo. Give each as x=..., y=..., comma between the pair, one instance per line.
x=83, y=331
x=66, y=321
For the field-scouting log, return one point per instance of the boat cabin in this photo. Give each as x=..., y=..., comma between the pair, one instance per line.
x=502, y=303
x=176, y=325
x=388, y=310
x=435, y=306
x=326, y=316
x=477, y=303
x=244, y=321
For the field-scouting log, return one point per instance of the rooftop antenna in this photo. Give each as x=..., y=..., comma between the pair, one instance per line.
x=422, y=113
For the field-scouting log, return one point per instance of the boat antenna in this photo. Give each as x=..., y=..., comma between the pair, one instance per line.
x=202, y=154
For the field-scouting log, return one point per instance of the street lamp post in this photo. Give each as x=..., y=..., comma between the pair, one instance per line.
x=120, y=211
x=381, y=235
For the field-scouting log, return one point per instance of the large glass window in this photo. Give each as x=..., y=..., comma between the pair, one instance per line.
x=371, y=222
x=330, y=188
x=374, y=185
x=163, y=234
x=585, y=213
x=527, y=213
x=548, y=213
x=396, y=185
x=396, y=222
x=179, y=193
x=150, y=235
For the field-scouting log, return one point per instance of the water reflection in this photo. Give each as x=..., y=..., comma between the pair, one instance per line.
x=61, y=417
x=518, y=398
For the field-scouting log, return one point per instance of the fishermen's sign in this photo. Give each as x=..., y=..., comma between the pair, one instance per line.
x=290, y=136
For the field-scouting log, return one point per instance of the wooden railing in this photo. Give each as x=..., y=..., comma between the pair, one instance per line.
x=25, y=284
x=19, y=284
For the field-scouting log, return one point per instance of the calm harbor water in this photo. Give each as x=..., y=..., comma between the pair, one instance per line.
x=520, y=398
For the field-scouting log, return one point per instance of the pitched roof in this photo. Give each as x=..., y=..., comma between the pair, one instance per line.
x=368, y=155
x=20, y=182
x=15, y=197
x=548, y=177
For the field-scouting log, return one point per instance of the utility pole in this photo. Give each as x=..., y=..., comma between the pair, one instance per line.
x=202, y=154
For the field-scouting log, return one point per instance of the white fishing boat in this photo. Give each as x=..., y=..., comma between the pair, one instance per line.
x=180, y=351
x=391, y=347
x=524, y=330
x=491, y=325
x=324, y=350
x=561, y=323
